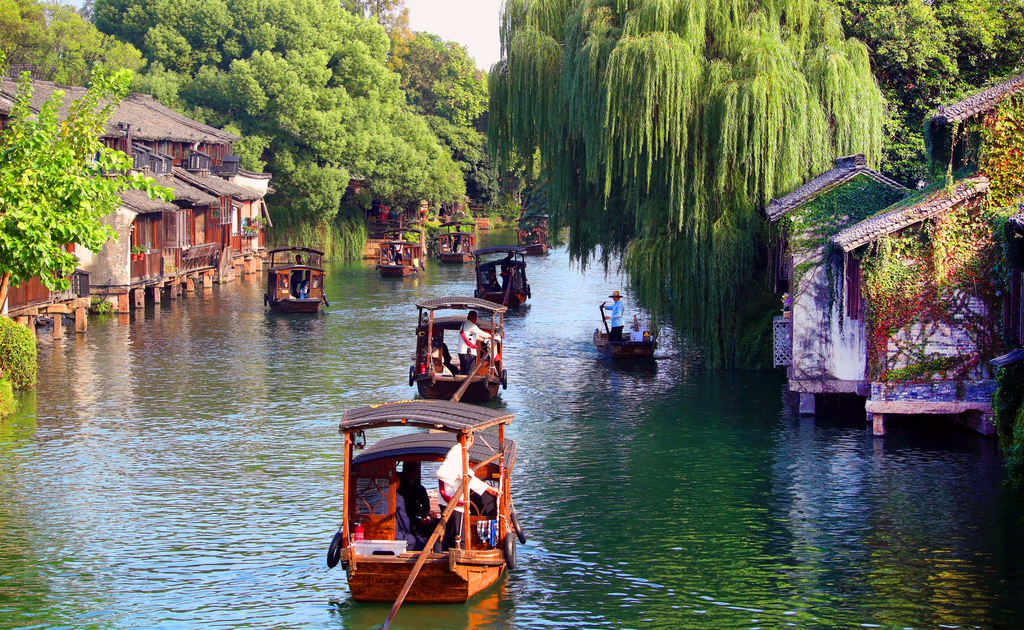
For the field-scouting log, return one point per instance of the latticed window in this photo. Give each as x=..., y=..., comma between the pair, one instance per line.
x=783, y=341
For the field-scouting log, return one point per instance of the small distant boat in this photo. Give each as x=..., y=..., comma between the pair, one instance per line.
x=379, y=565
x=457, y=242
x=399, y=258
x=295, y=280
x=534, y=238
x=432, y=377
x=638, y=342
x=491, y=284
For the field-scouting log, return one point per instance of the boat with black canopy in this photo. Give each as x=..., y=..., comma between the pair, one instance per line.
x=371, y=545
x=503, y=280
x=436, y=371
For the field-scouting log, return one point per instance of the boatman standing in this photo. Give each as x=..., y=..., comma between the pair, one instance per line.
x=618, y=320
x=469, y=341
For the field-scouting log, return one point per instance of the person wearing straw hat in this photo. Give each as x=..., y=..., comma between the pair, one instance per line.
x=617, y=317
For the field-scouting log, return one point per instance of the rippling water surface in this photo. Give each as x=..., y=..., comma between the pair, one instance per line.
x=183, y=470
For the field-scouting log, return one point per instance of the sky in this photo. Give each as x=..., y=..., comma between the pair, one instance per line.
x=471, y=23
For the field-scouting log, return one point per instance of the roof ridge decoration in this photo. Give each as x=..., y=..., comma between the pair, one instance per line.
x=844, y=169
x=903, y=215
x=982, y=101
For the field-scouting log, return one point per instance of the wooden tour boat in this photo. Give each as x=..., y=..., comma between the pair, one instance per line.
x=429, y=373
x=399, y=258
x=295, y=280
x=534, y=238
x=379, y=565
x=638, y=342
x=457, y=242
x=492, y=282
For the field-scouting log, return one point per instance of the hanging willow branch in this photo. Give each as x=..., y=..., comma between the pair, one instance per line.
x=663, y=127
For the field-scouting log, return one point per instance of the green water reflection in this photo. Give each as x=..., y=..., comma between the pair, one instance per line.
x=180, y=470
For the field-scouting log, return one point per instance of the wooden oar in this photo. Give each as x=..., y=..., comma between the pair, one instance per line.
x=423, y=554
x=604, y=319
x=469, y=377
x=509, y=287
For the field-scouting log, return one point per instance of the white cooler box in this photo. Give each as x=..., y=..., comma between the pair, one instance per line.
x=638, y=335
x=379, y=547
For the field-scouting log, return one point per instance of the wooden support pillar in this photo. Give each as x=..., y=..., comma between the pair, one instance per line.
x=81, y=320
x=58, y=325
x=806, y=404
x=122, y=303
x=173, y=290
x=139, y=298
x=157, y=289
x=877, y=423
x=190, y=284
x=207, y=279
x=249, y=267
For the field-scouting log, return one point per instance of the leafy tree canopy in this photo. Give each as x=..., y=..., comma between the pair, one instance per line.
x=662, y=128
x=58, y=181
x=442, y=82
x=929, y=53
x=58, y=44
x=306, y=83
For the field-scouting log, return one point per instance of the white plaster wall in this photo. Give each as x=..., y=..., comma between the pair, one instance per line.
x=112, y=264
x=821, y=351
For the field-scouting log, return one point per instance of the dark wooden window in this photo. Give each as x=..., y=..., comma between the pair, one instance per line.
x=853, y=297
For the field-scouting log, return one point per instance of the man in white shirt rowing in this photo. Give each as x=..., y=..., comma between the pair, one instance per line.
x=469, y=342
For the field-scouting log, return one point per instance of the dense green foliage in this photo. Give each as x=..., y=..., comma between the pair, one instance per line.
x=1002, y=151
x=1008, y=408
x=58, y=43
x=6, y=398
x=59, y=181
x=17, y=354
x=442, y=83
x=663, y=127
x=929, y=53
x=306, y=84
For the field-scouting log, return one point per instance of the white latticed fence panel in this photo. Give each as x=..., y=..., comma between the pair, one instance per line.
x=783, y=346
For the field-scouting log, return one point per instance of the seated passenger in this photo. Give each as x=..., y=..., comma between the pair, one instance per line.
x=404, y=529
x=484, y=497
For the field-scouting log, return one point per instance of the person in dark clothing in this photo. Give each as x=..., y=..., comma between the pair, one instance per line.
x=437, y=343
x=507, y=271
x=417, y=503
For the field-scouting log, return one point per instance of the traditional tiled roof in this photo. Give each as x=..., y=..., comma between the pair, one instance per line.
x=217, y=186
x=184, y=192
x=904, y=214
x=845, y=169
x=141, y=203
x=982, y=101
x=150, y=121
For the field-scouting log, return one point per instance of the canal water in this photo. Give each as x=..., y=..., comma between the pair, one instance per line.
x=183, y=471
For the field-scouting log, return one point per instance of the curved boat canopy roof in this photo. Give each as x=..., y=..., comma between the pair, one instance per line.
x=454, y=417
x=434, y=446
x=499, y=249
x=454, y=323
x=296, y=249
x=464, y=303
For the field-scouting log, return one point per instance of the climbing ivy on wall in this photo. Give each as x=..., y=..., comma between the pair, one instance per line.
x=811, y=225
x=1002, y=154
x=928, y=281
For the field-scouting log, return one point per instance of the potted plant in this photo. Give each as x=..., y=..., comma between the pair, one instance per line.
x=137, y=252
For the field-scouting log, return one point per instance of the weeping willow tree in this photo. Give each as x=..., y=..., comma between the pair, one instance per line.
x=663, y=127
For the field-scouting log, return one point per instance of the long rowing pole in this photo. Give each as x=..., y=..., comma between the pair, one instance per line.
x=433, y=539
